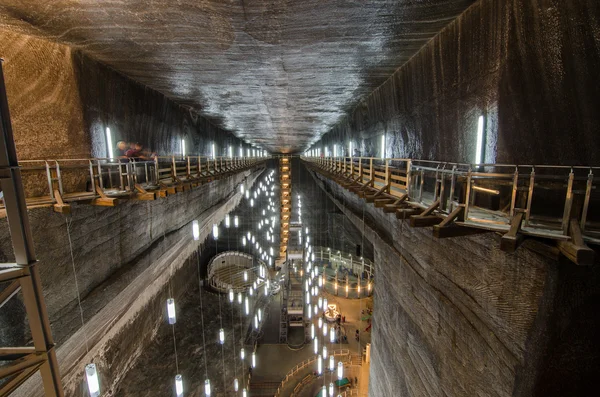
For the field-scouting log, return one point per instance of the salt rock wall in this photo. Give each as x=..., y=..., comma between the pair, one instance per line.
x=529, y=66
x=459, y=317
x=61, y=102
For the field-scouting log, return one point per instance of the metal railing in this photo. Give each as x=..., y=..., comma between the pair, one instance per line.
x=549, y=197
x=66, y=180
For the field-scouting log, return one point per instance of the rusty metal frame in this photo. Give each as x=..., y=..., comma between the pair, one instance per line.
x=23, y=361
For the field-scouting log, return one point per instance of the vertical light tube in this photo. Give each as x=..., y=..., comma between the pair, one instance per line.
x=91, y=375
x=236, y=385
x=253, y=359
x=231, y=295
x=350, y=154
x=330, y=389
x=207, y=387
x=479, y=152
x=227, y=221
x=215, y=231
x=246, y=306
x=243, y=353
x=171, y=311
x=221, y=336
x=109, y=144
x=383, y=146
x=178, y=385
x=340, y=370
x=332, y=336
x=316, y=345
x=331, y=363
x=334, y=150
x=236, y=221
x=241, y=155
x=196, y=230
x=214, y=152
x=319, y=365
x=183, y=148
x=230, y=151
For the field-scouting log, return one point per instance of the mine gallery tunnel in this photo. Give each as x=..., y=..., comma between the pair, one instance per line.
x=299, y=198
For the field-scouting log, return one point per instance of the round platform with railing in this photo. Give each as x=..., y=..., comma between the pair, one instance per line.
x=234, y=270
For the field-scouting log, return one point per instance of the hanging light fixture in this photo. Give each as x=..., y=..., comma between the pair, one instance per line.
x=266, y=290
x=316, y=345
x=245, y=275
x=247, y=306
x=319, y=365
x=207, y=387
x=340, y=370
x=242, y=353
x=252, y=202
x=231, y=295
x=330, y=389
x=331, y=363
x=171, y=311
x=332, y=335
x=309, y=311
x=320, y=321
x=215, y=231
x=196, y=230
x=227, y=220
x=325, y=329
x=221, y=336
x=244, y=393
x=325, y=350
x=255, y=322
x=236, y=385
x=259, y=314
x=312, y=331
x=93, y=384
x=236, y=221
x=320, y=302
x=239, y=298
x=247, y=194
x=253, y=359
x=325, y=302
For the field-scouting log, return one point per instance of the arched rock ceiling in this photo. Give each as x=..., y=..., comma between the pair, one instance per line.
x=276, y=73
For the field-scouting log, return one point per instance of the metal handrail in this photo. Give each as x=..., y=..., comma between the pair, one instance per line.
x=81, y=178
x=491, y=194
x=305, y=363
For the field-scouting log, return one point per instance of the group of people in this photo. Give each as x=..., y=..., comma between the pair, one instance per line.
x=133, y=150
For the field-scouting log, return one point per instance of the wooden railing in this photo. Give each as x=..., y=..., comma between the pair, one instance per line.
x=556, y=202
x=104, y=180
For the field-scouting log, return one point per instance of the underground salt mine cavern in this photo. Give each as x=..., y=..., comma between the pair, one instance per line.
x=318, y=198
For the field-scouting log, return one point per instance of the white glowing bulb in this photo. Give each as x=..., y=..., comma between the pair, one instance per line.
x=259, y=314
x=316, y=345
x=332, y=335
x=196, y=230
x=244, y=393
x=320, y=322
x=239, y=298
x=236, y=385
x=325, y=304
x=255, y=322
x=171, y=311
x=221, y=336
x=330, y=389
x=325, y=350
x=92, y=380
x=242, y=188
x=236, y=221
x=207, y=387
x=340, y=370
x=479, y=147
x=266, y=291
x=320, y=302
x=312, y=331
x=227, y=220
x=253, y=359
x=247, y=194
x=249, y=235
x=331, y=363
x=247, y=306
x=231, y=295
x=244, y=241
x=242, y=353
x=245, y=275
x=251, y=292
x=319, y=365
x=325, y=329
x=215, y=231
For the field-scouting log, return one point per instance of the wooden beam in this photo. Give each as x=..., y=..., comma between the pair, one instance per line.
x=431, y=208
x=424, y=220
x=380, y=202
x=406, y=213
x=60, y=205
x=143, y=194
x=371, y=197
x=447, y=228
x=104, y=200
x=511, y=240
x=396, y=204
x=576, y=249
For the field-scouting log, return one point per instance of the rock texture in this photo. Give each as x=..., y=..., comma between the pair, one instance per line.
x=61, y=103
x=528, y=66
x=278, y=74
x=458, y=317
x=127, y=259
